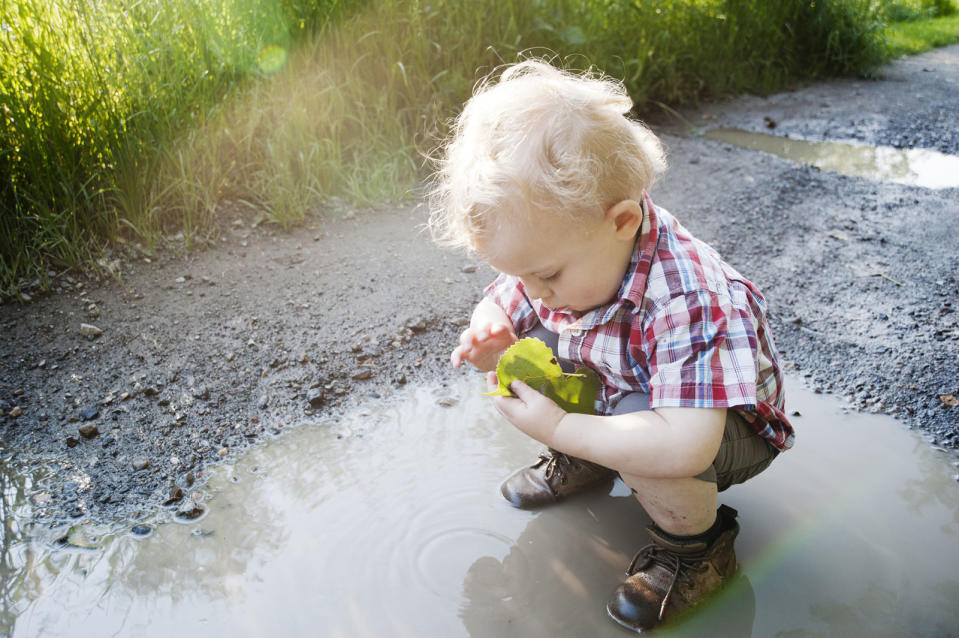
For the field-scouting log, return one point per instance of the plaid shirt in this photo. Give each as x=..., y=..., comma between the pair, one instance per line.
x=685, y=328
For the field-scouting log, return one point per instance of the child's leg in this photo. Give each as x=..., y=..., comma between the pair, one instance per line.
x=682, y=507
x=692, y=551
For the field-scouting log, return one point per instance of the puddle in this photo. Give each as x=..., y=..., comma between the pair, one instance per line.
x=389, y=522
x=917, y=167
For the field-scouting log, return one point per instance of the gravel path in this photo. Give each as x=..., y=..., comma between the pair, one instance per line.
x=194, y=357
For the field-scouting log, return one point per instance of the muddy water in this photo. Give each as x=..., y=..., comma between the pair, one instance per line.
x=918, y=167
x=389, y=523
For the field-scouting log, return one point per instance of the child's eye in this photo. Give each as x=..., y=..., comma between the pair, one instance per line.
x=552, y=277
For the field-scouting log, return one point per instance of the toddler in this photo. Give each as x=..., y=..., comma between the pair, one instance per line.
x=546, y=178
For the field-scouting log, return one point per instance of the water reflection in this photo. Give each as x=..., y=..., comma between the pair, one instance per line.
x=389, y=522
x=918, y=167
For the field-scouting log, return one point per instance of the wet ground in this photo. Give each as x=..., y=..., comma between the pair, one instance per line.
x=202, y=354
x=388, y=521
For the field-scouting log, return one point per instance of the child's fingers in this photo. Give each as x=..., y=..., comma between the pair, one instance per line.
x=522, y=391
x=491, y=381
x=459, y=355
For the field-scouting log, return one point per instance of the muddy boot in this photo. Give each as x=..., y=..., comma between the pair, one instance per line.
x=668, y=577
x=552, y=478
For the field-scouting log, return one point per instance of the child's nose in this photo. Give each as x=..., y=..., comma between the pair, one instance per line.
x=536, y=287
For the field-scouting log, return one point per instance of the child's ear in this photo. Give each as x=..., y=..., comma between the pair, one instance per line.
x=626, y=217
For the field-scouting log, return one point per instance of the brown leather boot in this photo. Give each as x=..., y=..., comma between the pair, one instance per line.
x=667, y=577
x=552, y=478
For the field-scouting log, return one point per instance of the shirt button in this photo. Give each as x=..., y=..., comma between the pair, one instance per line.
x=576, y=332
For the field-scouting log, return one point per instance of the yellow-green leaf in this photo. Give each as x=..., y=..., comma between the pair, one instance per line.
x=531, y=361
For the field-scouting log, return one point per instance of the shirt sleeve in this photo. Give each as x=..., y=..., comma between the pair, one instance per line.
x=508, y=293
x=701, y=352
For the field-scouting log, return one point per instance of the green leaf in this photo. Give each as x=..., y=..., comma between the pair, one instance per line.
x=531, y=361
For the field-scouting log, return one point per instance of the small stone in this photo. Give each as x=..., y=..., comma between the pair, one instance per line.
x=88, y=430
x=229, y=356
x=222, y=451
x=88, y=414
x=90, y=330
x=363, y=375
x=796, y=413
x=190, y=509
x=15, y=412
x=201, y=392
x=469, y=268
x=446, y=402
x=189, y=478
x=316, y=398
x=176, y=495
x=141, y=530
x=72, y=441
x=140, y=463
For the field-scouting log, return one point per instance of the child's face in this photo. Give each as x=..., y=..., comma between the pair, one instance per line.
x=567, y=264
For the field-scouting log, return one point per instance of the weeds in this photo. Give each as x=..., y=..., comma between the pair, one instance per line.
x=140, y=119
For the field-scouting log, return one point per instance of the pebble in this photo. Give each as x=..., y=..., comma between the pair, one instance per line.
x=469, y=268
x=190, y=509
x=176, y=495
x=223, y=451
x=140, y=463
x=88, y=430
x=15, y=412
x=362, y=375
x=141, y=530
x=316, y=398
x=90, y=330
x=88, y=414
x=72, y=441
x=446, y=402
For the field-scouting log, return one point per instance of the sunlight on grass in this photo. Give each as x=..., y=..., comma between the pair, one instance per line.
x=145, y=119
x=909, y=38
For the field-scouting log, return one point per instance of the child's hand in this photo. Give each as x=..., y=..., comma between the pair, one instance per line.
x=483, y=345
x=530, y=412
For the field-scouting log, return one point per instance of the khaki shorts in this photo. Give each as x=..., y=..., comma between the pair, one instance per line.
x=742, y=454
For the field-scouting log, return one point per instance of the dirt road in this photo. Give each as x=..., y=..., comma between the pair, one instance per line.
x=192, y=358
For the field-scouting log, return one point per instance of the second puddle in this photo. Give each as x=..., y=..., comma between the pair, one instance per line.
x=918, y=166
x=389, y=523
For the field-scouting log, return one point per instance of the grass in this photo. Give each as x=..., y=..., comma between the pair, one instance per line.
x=912, y=37
x=137, y=120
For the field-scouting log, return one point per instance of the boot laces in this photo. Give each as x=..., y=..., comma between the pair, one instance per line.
x=679, y=566
x=557, y=464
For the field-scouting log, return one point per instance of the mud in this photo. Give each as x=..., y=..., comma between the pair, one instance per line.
x=202, y=352
x=387, y=520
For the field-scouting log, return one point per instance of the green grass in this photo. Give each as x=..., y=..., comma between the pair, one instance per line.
x=139, y=119
x=910, y=38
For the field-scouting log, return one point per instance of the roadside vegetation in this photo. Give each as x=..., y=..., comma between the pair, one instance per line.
x=131, y=122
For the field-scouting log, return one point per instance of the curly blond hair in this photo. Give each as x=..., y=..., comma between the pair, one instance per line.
x=538, y=138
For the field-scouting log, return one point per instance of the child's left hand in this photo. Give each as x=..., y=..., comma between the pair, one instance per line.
x=530, y=412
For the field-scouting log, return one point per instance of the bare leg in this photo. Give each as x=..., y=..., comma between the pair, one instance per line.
x=682, y=507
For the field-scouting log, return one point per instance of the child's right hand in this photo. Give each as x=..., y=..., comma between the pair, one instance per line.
x=483, y=344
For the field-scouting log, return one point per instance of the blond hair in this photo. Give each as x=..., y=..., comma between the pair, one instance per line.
x=539, y=138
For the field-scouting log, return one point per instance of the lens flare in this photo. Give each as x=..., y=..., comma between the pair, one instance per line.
x=271, y=59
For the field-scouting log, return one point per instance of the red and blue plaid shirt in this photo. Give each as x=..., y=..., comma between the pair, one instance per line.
x=685, y=328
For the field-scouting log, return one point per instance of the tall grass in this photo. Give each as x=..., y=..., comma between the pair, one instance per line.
x=145, y=116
